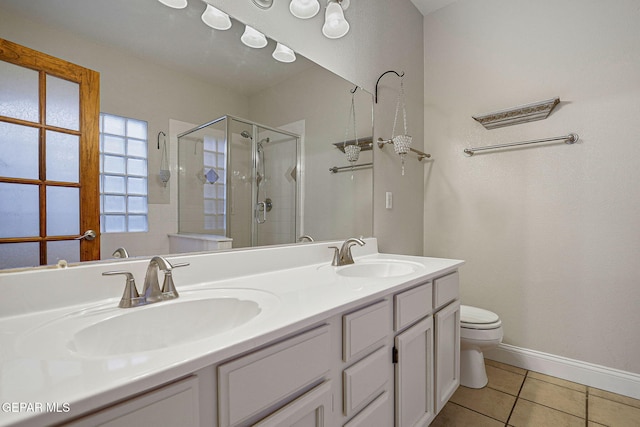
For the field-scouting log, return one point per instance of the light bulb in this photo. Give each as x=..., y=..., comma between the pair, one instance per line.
x=176, y=4
x=335, y=26
x=253, y=38
x=215, y=18
x=283, y=54
x=304, y=9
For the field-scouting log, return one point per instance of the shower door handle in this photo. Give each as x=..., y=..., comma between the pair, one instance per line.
x=262, y=205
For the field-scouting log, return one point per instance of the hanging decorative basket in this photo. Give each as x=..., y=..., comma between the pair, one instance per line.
x=352, y=151
x=402, y=142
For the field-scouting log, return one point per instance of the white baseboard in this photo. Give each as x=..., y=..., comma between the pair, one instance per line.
x=613, y=380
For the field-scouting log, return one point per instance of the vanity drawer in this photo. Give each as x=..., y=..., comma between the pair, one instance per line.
x=365, y=381
x=446, y=289
x=365, y=329
x=412, y=305
x=377, y=414
x=259, y=381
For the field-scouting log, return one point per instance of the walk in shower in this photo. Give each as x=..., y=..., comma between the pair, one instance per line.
x=240, y=180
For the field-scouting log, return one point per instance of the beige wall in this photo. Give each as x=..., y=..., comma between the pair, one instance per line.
x=550, y=233
x=384, y=35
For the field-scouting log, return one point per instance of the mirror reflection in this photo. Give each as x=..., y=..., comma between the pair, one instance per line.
x=304, y=110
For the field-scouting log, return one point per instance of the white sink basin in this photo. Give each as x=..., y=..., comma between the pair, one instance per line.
x=110, y=331
x=378, y=269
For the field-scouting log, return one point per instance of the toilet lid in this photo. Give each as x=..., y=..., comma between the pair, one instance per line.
x=477, y=316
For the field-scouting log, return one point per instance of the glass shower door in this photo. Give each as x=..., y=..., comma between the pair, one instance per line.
x=276, y=187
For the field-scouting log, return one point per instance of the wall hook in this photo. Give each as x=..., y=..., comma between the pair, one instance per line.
x=382, y=75
x=164, y=135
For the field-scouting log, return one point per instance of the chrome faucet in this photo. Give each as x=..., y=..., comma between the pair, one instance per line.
x=343, y=255
x=305, y=237
x=151, y=292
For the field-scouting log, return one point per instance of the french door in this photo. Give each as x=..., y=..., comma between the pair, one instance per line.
x=49, y=159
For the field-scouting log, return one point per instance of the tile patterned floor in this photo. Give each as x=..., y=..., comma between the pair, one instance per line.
x=516, y=397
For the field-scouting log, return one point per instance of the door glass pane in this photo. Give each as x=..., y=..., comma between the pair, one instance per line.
x=19, y=210
x=14, y=255
x=63, y=103
x=63, y=211
x=18, y=151
x=63, y=157
x=68, y=250
x=18, y=92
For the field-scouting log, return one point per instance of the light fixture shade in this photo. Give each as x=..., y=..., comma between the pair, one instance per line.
x=253, y=38
x=304, y=9
x=176, y=4
x=283, y=54
x=335, y=26
x=215, y=18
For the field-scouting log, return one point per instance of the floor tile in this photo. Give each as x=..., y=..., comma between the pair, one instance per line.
x=505, y=381
x=592, y=424
x=612, y=413
x=558, y=381
x=615, y=397
x=555, y=396
x=506, y=367
x=529, y=414
x=458, y=416
x=487, y=401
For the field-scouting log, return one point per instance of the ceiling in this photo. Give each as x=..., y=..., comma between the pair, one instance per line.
x=428, y=6
x=174, y=38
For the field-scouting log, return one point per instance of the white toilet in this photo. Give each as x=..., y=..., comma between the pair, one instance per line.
x=480, y=330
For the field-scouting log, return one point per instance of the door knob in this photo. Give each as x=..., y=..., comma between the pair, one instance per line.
x=88, y=235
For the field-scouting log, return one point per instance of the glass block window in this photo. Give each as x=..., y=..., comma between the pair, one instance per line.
x=215, y=161
x=123, y=174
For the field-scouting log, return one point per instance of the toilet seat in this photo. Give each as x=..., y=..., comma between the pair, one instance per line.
x=478, y=318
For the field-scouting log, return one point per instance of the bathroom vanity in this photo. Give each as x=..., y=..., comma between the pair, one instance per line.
x=267, y=337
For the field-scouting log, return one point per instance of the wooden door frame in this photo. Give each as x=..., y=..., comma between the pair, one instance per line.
x=89, y=137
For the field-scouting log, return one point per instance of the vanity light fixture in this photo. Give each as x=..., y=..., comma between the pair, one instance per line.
x=263, y=4
x=176, y=4
x=335, y=25
x=304, y=9
x=253, y=38
x=216, y=19
x=283, y=54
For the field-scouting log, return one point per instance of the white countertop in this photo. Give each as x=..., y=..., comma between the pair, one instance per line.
x=300, y=286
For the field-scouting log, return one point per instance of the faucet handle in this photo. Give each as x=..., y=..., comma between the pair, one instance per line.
x=130, y=296
x=336, y=256
x=169, y=290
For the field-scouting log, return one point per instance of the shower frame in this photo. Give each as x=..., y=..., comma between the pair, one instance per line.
x=254, y=152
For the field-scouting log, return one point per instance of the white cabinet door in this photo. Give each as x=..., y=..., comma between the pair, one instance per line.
x=447, y=326
x=170, y=406
x=414, y=375
x=312, y=409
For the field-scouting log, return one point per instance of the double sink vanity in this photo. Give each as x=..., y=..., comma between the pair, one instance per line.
x=273, y=336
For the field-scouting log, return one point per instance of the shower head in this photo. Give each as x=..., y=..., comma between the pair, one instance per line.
x=245, y=134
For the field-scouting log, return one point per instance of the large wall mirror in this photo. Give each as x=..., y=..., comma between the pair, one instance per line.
x=334, y=195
